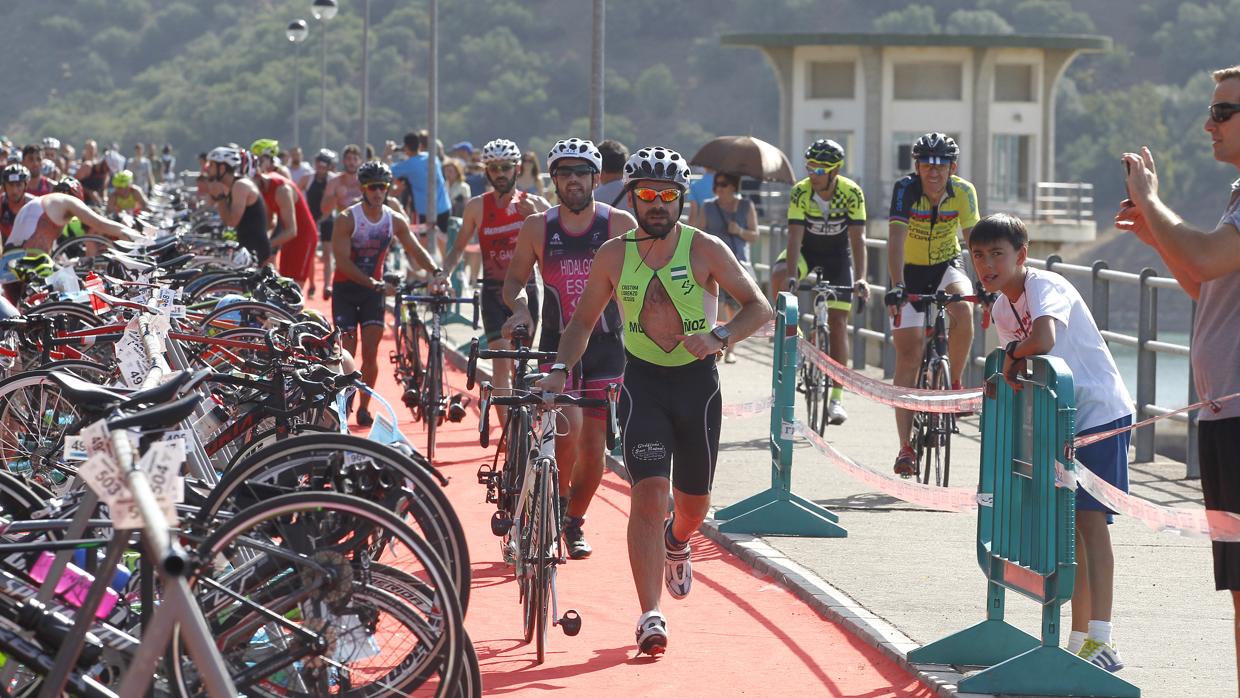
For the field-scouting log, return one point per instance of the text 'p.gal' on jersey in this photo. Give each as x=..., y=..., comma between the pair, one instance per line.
x=645, y=295
x=566, y=261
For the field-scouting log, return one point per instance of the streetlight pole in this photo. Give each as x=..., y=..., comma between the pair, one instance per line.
x=432, y=103
x=365, y=67
x=297, y=31
x=596, y=74
x=323, y=10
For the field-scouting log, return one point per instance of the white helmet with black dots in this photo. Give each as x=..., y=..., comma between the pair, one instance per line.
x=657, y=162
x=501, y=150
x=575, y=148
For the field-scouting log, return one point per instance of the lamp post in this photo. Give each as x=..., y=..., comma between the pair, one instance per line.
x=297, y=31
x=365, y=68
x=323, y=10
x=597, y=81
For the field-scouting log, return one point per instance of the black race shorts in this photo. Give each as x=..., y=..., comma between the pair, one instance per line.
x=670, y=415
x=354, y=304
x=495, y=313
x=1218, y=442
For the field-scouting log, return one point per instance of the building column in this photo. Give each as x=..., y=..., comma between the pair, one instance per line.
x=1055, y=62
x=875, y=126
x=980, y=141
x=780, y=58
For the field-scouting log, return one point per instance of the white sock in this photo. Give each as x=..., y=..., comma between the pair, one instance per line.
x=1076, y=639
x=1100, y=631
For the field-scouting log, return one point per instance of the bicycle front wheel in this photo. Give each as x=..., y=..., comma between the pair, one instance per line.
x=934, y=457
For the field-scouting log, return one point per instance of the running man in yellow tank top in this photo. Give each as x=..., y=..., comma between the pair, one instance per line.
x=666, y=279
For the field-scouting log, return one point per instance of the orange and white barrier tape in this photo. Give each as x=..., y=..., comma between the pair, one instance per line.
x=941, y=401
x=748, y=409
x=957, y=499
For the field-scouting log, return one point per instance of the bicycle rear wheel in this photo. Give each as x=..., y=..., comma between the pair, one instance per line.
x=433, y=395
x=545, y=553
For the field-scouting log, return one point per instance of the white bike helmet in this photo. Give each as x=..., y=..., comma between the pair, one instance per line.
x=575, y=148
x=501, y=150
x=657, y=162
x=230, y=155
x=53, y=143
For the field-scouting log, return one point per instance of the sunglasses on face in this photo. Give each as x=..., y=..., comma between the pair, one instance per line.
x=649, y=195
x=500, y=167
x=1220, y=112
x=376, y=186
x=819, y=168
x=570, y=170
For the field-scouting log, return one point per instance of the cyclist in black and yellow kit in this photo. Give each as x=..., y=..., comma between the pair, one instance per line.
x=930, y=209
x=821, y=209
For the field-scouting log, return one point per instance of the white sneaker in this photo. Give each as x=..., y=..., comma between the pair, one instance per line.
x=1101, y=655
x=652, y=634
x=836, y=413
x=678, y=570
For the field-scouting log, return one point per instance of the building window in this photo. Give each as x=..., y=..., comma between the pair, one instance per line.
x=929, y=81
x=1014, y=83
x=1009, y=167
x=844, y=138
x=903, y=150
x=830, y=80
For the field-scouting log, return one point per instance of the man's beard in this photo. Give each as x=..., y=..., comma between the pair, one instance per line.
x=659, y=229
x=509, y=186
x=576, y=202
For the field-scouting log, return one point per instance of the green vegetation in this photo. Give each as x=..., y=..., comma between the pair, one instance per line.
x=197, y=73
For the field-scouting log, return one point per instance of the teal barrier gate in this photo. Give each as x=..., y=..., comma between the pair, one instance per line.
x=1025, y=542
x=777, y=511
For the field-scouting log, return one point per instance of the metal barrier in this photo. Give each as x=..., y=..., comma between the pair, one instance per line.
x=777, y=511
x=875, y=329
x=1025, y=542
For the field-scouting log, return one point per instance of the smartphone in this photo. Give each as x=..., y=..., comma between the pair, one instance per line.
x=1127, y=194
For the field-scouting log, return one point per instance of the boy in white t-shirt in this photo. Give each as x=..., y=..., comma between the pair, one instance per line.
x=1040, y=312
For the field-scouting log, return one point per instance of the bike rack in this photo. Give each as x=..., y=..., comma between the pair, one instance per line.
x=1026, y=542
x=777, y=511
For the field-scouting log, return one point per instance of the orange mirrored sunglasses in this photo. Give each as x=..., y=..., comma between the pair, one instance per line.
x=667, y=195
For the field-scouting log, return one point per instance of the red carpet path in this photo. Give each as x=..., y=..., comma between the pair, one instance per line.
x=736, y=634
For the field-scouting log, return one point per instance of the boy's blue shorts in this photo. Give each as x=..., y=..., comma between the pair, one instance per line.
x=1108, y=459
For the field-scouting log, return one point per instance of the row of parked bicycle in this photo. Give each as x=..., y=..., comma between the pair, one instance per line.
x=183, y=510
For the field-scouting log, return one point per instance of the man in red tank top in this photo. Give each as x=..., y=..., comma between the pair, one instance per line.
x=496, y=217
x=296, y=234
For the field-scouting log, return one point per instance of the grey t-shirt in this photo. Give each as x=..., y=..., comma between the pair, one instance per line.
x=1216, y=334
x=608, y=192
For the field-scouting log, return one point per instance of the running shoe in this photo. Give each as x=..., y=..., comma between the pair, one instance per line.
x=575, y=539
x=906, y=462
x=1101, y=655
x=364, y=419
x=652, y=634
x=678, y=571
x=836, y=413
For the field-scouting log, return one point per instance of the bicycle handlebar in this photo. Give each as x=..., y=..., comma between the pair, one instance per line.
x=534, y=399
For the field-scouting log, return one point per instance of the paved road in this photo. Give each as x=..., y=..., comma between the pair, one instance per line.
x=917, y=569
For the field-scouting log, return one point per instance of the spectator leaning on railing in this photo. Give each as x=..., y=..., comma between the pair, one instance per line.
x=1207, y=265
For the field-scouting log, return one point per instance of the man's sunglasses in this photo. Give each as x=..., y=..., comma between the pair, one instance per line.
x=667, y=195
x=376, y=186
x=820, y=168
x=500, y=167
x=1220, y=112
x=570, y=170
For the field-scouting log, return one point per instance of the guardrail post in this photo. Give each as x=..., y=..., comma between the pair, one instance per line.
x=1100, y=297
x=1025, y=543
x=777, y=511
x=1190, y=454
x=1147, y=365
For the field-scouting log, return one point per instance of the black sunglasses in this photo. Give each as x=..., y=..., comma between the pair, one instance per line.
x=569, y=170
x=1220, y=112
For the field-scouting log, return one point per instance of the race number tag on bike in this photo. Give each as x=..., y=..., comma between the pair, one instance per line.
x=105, y=479
x=135, y=364
x=162, y=465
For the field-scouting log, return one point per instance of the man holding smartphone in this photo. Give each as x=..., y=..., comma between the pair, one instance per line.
x=1207, y=265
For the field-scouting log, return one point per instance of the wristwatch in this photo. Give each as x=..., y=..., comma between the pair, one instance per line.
x=722, y=334
x=558, y=367
x=1010, y=349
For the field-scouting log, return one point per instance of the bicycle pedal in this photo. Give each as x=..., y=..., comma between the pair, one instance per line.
x=486, y=474
x=501, y=523
x=410, y=398
x=570, y=623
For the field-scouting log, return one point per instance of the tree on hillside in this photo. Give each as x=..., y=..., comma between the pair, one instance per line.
x=977, y=22
x=914, y=19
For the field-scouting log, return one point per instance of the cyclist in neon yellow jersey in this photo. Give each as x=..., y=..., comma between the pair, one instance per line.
x=930, y=209
x=826, y=230
x=666, y=278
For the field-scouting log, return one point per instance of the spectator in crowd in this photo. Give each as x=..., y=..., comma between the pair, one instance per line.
x=93, y=173
x=475, y=174
x=412, y=171
x=458, y=188
x=140, y=166
x=168, y=163
x=530, y=180
x=700, y=190
x=610, y=189
x=733, y=219
x=1207, y=265
x=302, y=172
x=39, y=184
x=462, y=151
